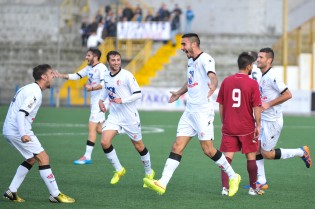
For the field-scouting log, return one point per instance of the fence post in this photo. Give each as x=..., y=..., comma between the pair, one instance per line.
x=68, y=97
x=85, y=96
x=51, y=98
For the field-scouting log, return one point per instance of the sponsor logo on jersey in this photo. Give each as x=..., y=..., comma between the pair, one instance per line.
x=191, y=82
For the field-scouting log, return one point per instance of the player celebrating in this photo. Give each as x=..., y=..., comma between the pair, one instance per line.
x=273, y=93
x=198, y=116
x=238, y=97
x=122, y=90
x=95, y=72
x=17, y=130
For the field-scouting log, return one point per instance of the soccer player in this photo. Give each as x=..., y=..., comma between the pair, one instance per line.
x=256, y=73
x=273, y=93
x=17, y=130
x=123, y=91
x=95, y=71
x=239, y=107
x=198, y=117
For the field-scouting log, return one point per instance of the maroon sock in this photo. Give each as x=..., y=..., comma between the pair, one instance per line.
x=252, y=172
x=224, y=176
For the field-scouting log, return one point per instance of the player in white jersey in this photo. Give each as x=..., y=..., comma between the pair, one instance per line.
x=273, y=93
x=123, y=91
x=95, y=71
x=17, y=130
x=256, y=73
x=198, y=117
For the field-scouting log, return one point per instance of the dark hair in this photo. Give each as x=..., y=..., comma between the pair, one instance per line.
x=253, y=54
x=95, y=52
x=244, y=59
x=39, y=70
x=269, y=52
x=112, y=53
x=193, y=37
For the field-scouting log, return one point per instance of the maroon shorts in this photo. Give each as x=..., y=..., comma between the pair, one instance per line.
x=237, y=143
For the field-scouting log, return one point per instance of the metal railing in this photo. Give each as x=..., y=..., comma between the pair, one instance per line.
x=141, y=58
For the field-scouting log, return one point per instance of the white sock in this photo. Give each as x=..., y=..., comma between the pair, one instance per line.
x=169, y=169
x=50, y=181
x=88, y=152
x=290, y=153
x=146, y=163
x=18, y=178
x=225, y=166
x=261, y=176
x=113, y=159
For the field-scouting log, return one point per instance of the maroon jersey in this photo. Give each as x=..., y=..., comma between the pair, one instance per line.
x=238, y=94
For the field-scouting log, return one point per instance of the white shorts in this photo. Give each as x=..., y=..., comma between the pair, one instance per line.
x=97, y=117
x=27, y=149
x=133, y=130
x=192, y=123
x=270, y=133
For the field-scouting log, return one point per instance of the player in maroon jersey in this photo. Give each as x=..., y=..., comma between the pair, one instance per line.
x=239, y=106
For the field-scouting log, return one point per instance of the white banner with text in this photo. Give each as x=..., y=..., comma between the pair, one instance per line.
x=144, y=30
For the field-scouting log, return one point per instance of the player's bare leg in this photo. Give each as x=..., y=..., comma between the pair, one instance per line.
x=93, y=130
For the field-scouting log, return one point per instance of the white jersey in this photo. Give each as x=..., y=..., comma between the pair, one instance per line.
x=256, y=73
x=198, y=89
x=271, y=86
x=122, y=85
x=96, y=76
x=28, y=100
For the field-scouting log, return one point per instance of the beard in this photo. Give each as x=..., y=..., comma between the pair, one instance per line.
x=90, y=62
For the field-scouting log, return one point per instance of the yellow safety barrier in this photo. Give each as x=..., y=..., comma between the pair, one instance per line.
x=156, y=62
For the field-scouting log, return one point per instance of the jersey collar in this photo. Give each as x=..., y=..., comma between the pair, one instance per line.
x=194, y=59
x=111, y=75
x=38, y=86
x=96, y=64
x=266, y=71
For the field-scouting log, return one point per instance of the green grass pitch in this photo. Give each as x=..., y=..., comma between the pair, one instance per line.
x=196, y=183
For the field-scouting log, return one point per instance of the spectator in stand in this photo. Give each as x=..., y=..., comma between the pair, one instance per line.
x=98, y=17
x=149, y=17
x=189, y=17
x=175, y=22
x=179, y=11
x=107, y=9
x=84, y=32
x=93, y=40
x=157, y=17
x=111, y=28
x=164, y=14
x=138, y=14
x=127, y=12
x=99, y=30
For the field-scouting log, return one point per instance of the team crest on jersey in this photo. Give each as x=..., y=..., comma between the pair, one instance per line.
x=118, y=82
